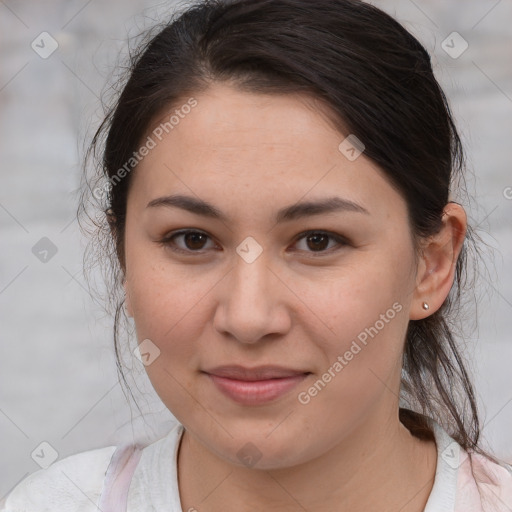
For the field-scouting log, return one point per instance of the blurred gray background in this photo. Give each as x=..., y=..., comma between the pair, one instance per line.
x=58, y=382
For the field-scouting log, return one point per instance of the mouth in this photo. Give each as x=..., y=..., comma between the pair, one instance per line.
x=255, y=386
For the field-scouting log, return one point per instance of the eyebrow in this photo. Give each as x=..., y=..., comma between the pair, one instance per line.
x=295, y=211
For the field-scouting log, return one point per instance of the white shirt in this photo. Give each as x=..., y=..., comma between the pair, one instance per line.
x=88, y=481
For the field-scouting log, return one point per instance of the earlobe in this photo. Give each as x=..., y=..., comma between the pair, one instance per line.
x=438, y=261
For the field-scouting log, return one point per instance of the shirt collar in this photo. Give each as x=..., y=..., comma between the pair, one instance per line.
x=155, y=482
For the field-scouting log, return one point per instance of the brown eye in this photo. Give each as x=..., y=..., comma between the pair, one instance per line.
x=193, y=241
x=318, y=241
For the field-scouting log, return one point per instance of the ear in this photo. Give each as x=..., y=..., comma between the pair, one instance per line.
x=438, y=260
x=127, y=303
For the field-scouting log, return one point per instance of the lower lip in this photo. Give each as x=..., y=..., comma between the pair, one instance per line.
x=256, y=392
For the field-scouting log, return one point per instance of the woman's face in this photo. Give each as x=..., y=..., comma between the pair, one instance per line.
x=252, y=289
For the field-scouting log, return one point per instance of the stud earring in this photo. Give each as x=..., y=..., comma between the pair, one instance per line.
x=425, y=306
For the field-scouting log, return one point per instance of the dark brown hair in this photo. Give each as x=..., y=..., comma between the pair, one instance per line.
x=376, y=80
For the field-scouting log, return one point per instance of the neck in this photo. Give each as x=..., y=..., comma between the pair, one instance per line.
x=380, y=465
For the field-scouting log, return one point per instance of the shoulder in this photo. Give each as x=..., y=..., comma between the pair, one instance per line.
x=73, y=483
x=489, y=482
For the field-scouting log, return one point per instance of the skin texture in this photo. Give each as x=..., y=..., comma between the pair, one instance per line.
x=295, y=305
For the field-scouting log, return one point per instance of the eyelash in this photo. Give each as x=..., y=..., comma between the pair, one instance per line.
x=168, y=241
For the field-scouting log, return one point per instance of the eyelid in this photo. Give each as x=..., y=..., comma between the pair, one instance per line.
x=339, y=239
x=166, y=241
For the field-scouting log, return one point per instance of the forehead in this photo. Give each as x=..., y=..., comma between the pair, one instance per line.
x=267, y=147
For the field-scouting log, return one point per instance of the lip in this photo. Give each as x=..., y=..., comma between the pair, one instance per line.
x=255, y=386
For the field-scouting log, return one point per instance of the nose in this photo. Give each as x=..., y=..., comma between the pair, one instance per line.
x=252, y=302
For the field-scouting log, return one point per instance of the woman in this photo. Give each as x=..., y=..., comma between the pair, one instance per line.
x=276, y=183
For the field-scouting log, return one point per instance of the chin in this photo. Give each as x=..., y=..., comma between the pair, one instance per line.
x=253, y=448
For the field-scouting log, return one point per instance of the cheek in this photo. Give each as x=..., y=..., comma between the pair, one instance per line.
x=164, y=303
x=171, y=314
x=362, y=369
x=365, y=309
x=157, y=296
x=160, y=293
x=357, y=299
